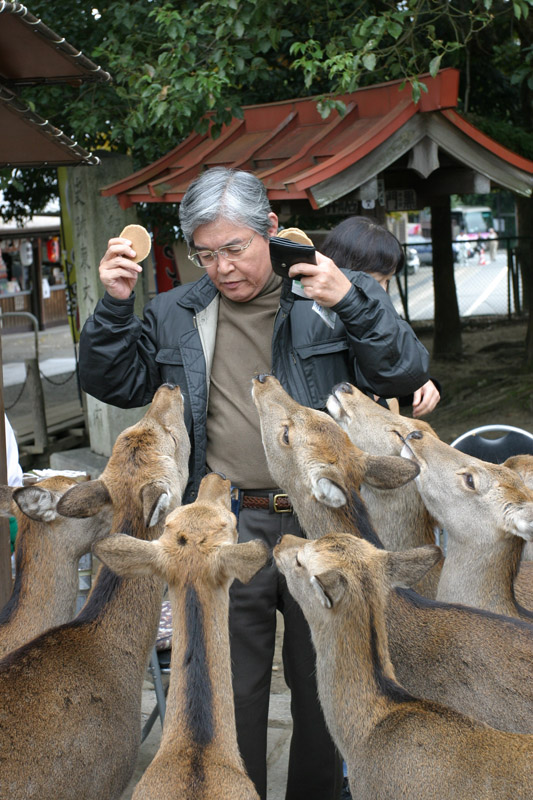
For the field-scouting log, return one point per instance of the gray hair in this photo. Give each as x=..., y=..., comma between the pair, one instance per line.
x=231, y=194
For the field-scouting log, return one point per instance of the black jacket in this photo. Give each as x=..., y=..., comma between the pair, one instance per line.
x=123, y=359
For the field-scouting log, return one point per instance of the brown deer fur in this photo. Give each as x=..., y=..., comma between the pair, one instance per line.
x=479, y=663
x=47, y=551
x=198, y=555
x=523, y=464
x=71, y=699
x=487, y=511
x=394, y=744
x=399, y=516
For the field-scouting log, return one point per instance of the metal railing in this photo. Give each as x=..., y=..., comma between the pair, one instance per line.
x=480, y=289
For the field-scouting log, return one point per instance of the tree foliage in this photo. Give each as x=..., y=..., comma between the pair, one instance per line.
x=173, y=61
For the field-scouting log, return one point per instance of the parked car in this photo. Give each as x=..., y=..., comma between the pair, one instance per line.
x=424, y=249
x=412, y=260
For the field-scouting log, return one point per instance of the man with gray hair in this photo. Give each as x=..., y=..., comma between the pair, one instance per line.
x=211, y=337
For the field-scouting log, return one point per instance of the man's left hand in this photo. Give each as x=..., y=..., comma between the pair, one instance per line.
x=323, y=281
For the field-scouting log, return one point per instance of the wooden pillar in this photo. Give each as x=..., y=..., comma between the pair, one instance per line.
x=93, y=220
x=447, y=342
x=5, y=547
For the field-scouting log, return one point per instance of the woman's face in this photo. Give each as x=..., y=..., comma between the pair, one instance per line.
x=240, y=280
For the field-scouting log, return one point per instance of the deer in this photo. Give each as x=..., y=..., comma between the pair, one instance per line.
x=487, y=511
x=47, y=551
x=395, y=744
x=198, y=556
x=399, y=516
x=523, y=464
x=377, y=429
x=70, y=718
x=474, y=661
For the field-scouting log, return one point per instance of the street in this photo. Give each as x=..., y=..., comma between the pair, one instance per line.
x=482, y=289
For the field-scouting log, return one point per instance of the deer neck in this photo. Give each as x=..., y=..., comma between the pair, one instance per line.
x=124, y=611
x=200, y=709
x=401, y=520
x=46, y=584
x=317, y=519
x=356, y=681
x=481, y=576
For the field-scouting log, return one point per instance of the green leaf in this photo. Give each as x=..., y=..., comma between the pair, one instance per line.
x=434, y=65
x=369, y=61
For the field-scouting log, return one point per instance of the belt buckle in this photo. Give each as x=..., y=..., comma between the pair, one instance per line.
x=275, y=504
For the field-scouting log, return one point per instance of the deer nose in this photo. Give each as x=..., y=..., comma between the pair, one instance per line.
x=262, y=377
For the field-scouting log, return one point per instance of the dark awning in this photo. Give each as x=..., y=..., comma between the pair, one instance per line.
x=28, y=140
x=31, y=53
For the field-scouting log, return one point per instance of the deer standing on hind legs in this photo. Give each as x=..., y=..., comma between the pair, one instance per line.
x=70, y=716
x=198, y=555
x=47, y=551
x=394, y=744
x=474, y=661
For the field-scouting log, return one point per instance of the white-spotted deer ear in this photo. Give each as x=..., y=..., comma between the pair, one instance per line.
x=522, y=521
x=319, y=591
x=329, y=587
x=156, y=503
x=36, y=503
x=328, y=492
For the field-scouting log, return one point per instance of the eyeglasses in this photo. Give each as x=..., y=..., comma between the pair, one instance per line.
x=232, y=252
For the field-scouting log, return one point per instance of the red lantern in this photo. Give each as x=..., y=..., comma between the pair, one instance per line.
x=52, y=250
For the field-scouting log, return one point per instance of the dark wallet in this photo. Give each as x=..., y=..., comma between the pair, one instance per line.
x=284, y=253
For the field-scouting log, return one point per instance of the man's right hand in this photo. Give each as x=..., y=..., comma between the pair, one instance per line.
x=118, y=272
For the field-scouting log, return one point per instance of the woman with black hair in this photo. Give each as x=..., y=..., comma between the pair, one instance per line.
x=363, y=245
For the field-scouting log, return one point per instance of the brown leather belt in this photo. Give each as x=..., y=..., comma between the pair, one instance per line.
x=273, y=501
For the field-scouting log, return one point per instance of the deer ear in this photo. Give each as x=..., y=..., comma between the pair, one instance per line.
x=327, y=491
x=156, y=502
x=407, y=567
x=84, y=499
x=129, y=557
x=522, y=522
x=242, y=560
x=329, y=587
x=36, y=503
x=389, y=472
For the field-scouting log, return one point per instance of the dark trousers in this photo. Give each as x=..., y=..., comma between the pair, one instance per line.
x=315, y=771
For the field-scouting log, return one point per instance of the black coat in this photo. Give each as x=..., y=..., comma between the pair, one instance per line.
x=123, y=359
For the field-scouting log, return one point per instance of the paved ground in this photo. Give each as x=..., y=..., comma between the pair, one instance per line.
x=57, y=361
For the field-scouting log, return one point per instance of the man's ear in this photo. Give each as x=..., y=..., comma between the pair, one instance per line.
x=273, y=224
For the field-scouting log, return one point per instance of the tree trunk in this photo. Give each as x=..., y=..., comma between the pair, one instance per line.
x=524, y=207
x=447, y=341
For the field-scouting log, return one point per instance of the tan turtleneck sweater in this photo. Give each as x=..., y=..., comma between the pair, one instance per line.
x=243, y=349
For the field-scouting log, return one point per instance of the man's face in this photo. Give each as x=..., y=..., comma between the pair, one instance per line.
x=243, y=279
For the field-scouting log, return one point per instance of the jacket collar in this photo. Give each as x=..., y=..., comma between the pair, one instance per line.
x=199, y=294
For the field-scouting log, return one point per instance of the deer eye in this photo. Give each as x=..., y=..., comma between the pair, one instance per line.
x=469, y=480
x=285, y=434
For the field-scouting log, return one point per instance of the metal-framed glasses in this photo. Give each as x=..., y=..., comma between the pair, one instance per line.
x=231, y=252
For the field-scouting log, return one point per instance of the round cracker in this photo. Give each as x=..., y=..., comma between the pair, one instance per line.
x=295, y=234
x=140, y=240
